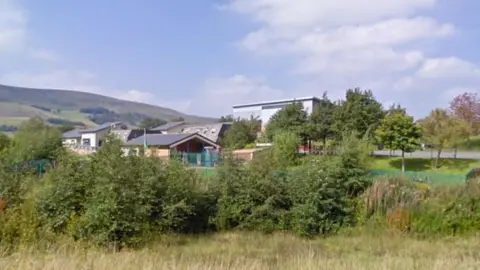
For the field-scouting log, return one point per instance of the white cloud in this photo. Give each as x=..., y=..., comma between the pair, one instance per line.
x=305, y=13
x=13, y=22
x=451, y=67
x=372, y=43
x=13, y=33
x=44, y=54
x=219, y=94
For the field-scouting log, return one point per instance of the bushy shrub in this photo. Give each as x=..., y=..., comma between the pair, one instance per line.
x=62, y=198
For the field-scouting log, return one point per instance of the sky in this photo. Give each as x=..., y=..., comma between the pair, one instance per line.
x=204, y=56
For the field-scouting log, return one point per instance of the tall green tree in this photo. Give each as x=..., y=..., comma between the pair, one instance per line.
x=441, y=130
x=292, y=118
x=241, y=133
x=321, y=120
x=285, y=145
x=226, y=118
x=360, y=112
x=400, y=132
x=151, y=122
x=35, y=140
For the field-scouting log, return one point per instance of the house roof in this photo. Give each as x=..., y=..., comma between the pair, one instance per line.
x=122, y=134
x=169, y=125
x=167, y=139
x=100, y=127
x=72, y=134
x=209, y=131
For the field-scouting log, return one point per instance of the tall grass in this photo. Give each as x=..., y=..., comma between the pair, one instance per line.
x=259, y=251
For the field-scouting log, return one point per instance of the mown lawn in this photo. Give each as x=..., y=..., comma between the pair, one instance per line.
x=258, y=251
x=474, y=144
x=447, y=166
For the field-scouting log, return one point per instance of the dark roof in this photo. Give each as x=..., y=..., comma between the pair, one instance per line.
x=210, y=131
x=160, y=139
x=72, y=134
x=122, y=134
x=100, y=127
x=168, y=126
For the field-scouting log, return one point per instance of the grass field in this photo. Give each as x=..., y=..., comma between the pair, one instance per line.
x=14, y=114
x=257, y=251
x=474, y=144
x=447, y=166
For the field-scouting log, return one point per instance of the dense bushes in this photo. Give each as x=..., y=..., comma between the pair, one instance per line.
x=118, y=201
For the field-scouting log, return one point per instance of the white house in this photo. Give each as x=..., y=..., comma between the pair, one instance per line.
x=89, y=139
x=265, y=110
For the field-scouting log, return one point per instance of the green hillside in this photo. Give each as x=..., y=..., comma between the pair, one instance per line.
x=18, y=104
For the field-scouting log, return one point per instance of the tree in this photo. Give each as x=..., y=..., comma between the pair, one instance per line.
x=441, y=130
x=240, y=133
x=460, y=132
x=360, y=112
x=321, y=120
x=177, y=119
x=285, y=145
x=394, y=108
x=226, y=118
x=35, y=140
x=400, y=132
x=467, y=107
x=150, y=122
x=292, y=118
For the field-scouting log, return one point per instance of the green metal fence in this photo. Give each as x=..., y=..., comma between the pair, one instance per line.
x=203, y=159
x=430, y=178
x=38, y=166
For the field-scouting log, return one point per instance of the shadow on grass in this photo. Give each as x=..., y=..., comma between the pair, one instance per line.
x=426, y=164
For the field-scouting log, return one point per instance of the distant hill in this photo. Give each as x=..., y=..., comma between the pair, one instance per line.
x=73, y=107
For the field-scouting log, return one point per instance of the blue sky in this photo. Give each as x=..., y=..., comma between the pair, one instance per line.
x=203, y=56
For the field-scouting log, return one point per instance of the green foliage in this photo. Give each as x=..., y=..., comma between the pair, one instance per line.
x=399, y=132
x=35, y=140
x=291, y=118
x=151, y=122
x=321, y=120
x=5, y=142
x=119, y=201
x=442, y=130
x=285, y=146
x=226, y=118
x=63, y=196
x=241, y=133
x=360, y=112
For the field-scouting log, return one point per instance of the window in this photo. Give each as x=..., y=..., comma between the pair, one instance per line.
x=86, y=141
x=275, y=106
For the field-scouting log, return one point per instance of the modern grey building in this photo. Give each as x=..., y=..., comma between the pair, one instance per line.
x=265, y=110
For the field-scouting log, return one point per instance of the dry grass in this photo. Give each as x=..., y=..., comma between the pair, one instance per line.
x=255, y=251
